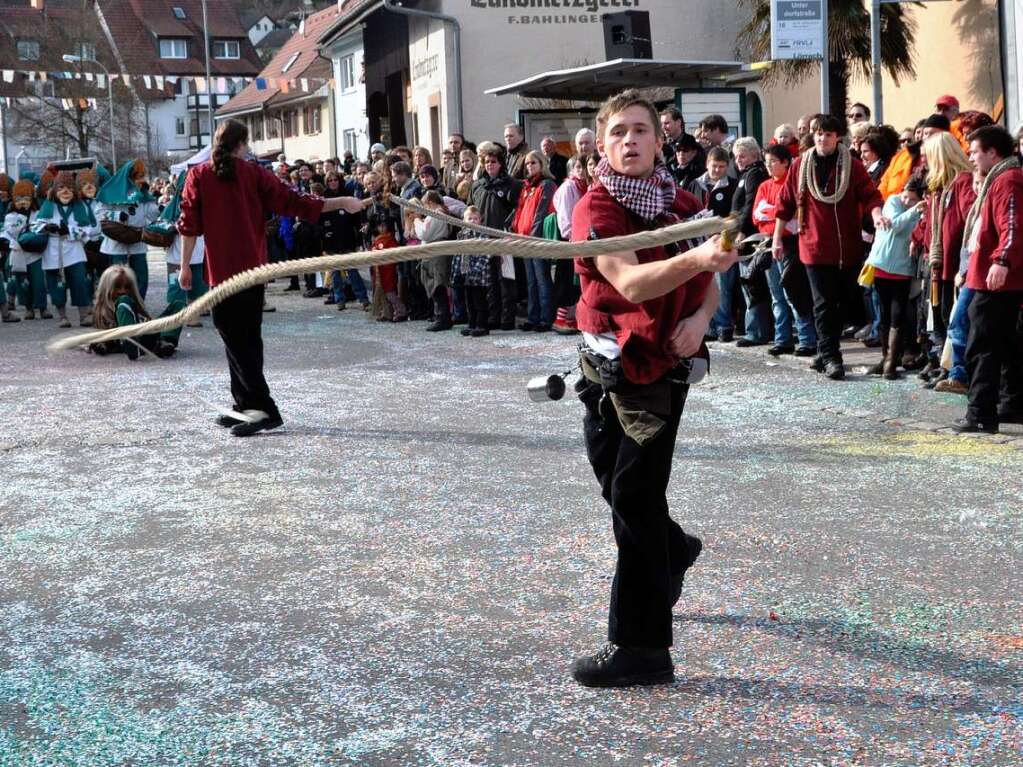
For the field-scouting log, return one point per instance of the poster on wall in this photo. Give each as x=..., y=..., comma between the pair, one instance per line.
x=561, y=126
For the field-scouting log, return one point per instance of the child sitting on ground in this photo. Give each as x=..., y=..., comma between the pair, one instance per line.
x=119, y=303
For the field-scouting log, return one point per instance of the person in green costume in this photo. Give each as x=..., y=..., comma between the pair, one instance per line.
x=125, y=199
x=167, y=223
x=27, y=283
x=68, y=224
x=119, y=303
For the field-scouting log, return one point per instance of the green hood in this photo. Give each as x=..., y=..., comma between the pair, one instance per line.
x=120, y=191
x=82, y=213
x=170, y=214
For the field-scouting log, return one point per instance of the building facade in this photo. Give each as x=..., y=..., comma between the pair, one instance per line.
x=289, y=107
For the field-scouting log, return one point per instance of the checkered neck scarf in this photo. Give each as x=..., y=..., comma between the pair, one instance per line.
x=648, y=198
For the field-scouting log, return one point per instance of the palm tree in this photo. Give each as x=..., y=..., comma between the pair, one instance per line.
x=848, y=45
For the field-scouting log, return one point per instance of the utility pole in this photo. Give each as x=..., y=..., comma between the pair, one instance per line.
x=825, y=62
x=209, y=85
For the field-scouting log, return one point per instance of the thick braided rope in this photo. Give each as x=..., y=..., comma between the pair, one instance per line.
x=531, y=248
x=417, y=207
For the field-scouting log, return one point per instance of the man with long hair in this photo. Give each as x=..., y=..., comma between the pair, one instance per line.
x=228, y=201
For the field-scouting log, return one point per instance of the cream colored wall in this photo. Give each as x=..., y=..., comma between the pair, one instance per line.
x=302, y=147
x=497, y=48
x=957, y=52
x=784, y=103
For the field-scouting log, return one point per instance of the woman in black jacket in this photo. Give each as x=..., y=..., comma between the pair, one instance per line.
x=496, y=194
x=752, y=173
x=340, y=235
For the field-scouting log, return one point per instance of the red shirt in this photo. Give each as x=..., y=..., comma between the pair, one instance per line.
x=1000, y=235
x=765, y=205
x=643, y=330
x=832, y=234
x=232, y=215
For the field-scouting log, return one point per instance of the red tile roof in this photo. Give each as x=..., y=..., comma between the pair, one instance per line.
x=137, y=26
x=303, y=47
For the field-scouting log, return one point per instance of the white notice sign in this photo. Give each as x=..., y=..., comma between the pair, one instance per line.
x=796, y=29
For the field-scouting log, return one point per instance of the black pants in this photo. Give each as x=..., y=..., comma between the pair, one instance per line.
x=894, y=295
x=502, y=296
x=566, y=292
x=239, y=320
x=441, y=305
x=835, y=298
x=993, y=359
x=941, y=313
x=476, y=307
x=651, y=545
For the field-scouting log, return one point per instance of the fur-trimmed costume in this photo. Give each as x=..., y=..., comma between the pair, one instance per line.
x=27, y=282
x=121, y=201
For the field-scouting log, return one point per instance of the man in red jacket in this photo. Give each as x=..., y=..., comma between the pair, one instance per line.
x=994, y=237
x=643, y=316
x=228, y=201
x=826, y=191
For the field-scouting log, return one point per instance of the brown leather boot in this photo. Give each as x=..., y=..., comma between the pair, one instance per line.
x=878, y=369
x=893, y=355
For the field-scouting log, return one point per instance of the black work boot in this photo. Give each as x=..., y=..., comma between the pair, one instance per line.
x=693, y=548
x=616, y=666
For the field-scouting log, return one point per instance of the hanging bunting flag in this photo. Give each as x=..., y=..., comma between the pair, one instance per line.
x=200, y=84
x=67, y=75
x=127, y=80
x=272, y=82
x=304, y=83
x=101, y=81
x=285, y=86
x=159, y=82
x=88, y=77
x=8, y=75
x=42, y=77
x=260, y=84
x=330, y=83
x=148, y=81
x=221, y=85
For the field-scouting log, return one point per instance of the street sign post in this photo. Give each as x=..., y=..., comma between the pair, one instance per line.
x=799, y=30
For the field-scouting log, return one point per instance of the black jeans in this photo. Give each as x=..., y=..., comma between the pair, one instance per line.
x=239, y=320
x=476, y=307
x=502, y=296
x=566, y=292
x=441, y=305
x=651, y=545
x=993, y=359
x=835, y=297
x=894, y=295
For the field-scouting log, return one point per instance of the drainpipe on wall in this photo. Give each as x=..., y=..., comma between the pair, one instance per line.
x=391, y=5
x=332, y=107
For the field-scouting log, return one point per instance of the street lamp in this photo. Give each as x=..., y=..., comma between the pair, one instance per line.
x=72, y=59
x=209, y=88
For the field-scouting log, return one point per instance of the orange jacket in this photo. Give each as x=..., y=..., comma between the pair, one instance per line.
x=898, y=173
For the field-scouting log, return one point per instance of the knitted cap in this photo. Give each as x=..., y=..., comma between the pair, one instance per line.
x=23, y=188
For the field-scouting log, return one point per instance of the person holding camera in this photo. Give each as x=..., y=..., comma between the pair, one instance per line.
x=643, y=316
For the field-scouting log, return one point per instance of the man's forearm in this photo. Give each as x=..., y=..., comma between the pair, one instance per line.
x=642, y=282
x=187, y=249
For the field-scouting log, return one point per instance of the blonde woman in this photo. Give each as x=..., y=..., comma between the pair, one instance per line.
x=421, y=156
x=466, y=174
x=950, y=197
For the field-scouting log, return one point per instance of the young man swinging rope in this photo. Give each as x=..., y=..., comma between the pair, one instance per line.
x=643, y=315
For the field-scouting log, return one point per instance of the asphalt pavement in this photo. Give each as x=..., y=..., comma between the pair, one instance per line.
x=404, y=573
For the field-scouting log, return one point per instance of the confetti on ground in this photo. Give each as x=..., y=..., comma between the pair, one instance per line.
x=403, y=575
